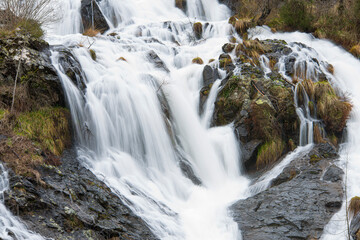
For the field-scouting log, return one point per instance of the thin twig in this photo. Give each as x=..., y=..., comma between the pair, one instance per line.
x=16, y=77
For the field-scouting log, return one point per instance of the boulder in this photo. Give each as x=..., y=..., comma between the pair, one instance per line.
x=297, y=206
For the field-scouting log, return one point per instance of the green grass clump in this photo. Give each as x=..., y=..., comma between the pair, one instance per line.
x=49, y=127
x=3, y=112
x=269, y=152
x=296, y=15
x=330, y=108
x=31, y=27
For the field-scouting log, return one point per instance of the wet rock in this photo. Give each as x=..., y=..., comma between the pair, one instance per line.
x=228, y=47
x=156, y=60
x=187, y=170
x=297, y=206
x=92, y=16
x=72, y=204
x=355, y=227
x=72, y=68
x=333, y=174
x=289, y=65
x=209, y=75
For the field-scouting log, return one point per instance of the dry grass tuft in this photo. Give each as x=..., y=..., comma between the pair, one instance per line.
x=122, y=59
x=242, y=25
x=91, y=32
x=198, y=60
x=354, y=206
x=355, y=50
x=318, y=136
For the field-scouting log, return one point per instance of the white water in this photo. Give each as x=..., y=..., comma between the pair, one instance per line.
x=347, y=79
x=125, y=138
x=10, y=226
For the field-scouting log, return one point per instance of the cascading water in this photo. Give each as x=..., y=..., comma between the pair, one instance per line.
x=10, y=226
x=126, y=139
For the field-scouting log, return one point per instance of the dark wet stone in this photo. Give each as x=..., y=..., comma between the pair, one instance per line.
x=333, y=174
x=156, y=60
x=297, y=206
x=72, y=204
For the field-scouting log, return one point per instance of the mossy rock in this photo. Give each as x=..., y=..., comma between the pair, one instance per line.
x=197, y=60
x=182, y=4
x=93, y=54
x=198, y=29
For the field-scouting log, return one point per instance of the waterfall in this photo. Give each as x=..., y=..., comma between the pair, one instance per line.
x=125, y=138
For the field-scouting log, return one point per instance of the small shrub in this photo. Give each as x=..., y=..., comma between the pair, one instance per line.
x=198, y=60
x=296, y=15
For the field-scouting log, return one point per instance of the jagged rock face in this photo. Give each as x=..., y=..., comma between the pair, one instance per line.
x=299, y=204
x=72, y=204
x=38, y=84
x=92, y=16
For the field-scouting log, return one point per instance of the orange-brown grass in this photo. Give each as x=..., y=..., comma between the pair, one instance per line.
x=242, y=25
x=354, y=206
x=121, y=59
x=198, y=60
x=318, y=138
x=309, y=87
x=91, y=32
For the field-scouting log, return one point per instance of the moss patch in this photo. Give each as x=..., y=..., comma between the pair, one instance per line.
x=48, y=127
x=354, y=206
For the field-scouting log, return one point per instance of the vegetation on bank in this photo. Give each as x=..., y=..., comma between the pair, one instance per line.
x=337, y=20
x=26, y=16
